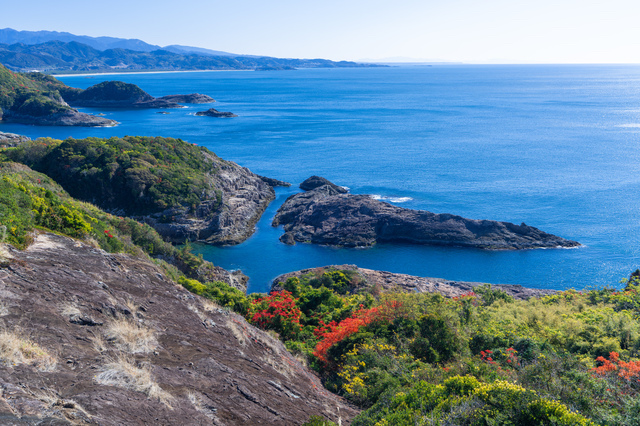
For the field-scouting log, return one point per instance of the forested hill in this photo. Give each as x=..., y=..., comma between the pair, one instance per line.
x=58, y=56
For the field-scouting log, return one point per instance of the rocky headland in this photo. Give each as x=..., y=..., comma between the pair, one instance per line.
x=370, y=279
x=36, y=99
x=91, y=337
x=326, y=215
x=70, y=117
x=116, y=94
x=212, y=112
x=185, y=192
x=226, y=216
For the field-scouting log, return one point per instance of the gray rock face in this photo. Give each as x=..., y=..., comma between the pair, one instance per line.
x=389, y=281
x=202, y=364
x=66, y=118
x=243, y=197
x=193, y=98
x=11, y=139
x=212, y=112
x=316, y=181
x=325, y=216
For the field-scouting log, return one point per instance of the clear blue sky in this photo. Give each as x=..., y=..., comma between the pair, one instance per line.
x=506, y=31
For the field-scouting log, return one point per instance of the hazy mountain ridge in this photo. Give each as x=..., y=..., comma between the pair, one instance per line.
x=55, y=52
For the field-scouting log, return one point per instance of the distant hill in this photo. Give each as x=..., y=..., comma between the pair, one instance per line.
x=11, y=36
x=59, y=56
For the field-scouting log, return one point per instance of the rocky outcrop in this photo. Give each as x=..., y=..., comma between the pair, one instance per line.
x=116, y=94
x=316, y=181
x=212, y=112
x=389, y=281
x=326, y=216
x=108, y=339
x=193, y=98
x=11, y=139
x=227, y=217
x=274, y=182
x=70, y=117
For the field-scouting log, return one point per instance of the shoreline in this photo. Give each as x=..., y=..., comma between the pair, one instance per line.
x=137, y=72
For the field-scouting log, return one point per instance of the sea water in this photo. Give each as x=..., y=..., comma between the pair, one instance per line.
x=554, y=146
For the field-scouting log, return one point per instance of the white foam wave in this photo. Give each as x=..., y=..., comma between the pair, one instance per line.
x=390, y=199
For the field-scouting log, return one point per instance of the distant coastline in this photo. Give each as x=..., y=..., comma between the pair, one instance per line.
x=137, y=72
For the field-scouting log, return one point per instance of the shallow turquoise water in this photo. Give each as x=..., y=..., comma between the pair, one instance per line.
x=553, y=146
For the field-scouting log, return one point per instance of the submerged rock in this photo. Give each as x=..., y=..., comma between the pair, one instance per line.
x=324, y=215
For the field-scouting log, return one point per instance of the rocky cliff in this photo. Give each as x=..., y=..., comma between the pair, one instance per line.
x=324, y=215
x=90, y=337
x=227, y=217
x=184, y=191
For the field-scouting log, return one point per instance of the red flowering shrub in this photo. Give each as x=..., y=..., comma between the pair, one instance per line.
x=333, y=333
x=278, y=312
x=626, y=370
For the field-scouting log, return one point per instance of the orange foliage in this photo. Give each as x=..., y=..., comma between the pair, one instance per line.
x=333, y=333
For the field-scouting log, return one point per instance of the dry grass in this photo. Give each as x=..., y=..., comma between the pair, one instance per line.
x=57, y=406
x=98, y=342
x=15, y=349
x=130, y=336
x=123, y=373
x=198, y=312
x=70, y=310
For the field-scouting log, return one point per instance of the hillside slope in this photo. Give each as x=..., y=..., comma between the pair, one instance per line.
x=93, y=337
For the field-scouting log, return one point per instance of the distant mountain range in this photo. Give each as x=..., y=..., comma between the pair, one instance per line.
x=55, y=52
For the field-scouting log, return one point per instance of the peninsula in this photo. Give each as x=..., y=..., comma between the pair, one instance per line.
x=325, y=214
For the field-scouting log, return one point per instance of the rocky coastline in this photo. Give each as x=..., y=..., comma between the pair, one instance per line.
x=192, y=98
x=70, y=117
x=227, y=217
x=388, y=281
x=326, y=215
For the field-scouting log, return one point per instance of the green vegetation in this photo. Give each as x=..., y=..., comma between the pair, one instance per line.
x=25, y=95
x=136, y=175
x=30, y=200
x=114, y=91
x=479, y=359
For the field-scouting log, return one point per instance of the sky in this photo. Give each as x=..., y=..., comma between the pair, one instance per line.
x=473, y=31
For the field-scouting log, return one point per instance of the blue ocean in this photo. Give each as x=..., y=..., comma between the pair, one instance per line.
x=554, y=146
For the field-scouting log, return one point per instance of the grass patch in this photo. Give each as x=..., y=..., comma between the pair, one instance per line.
x=122, y=372
x=15, y=350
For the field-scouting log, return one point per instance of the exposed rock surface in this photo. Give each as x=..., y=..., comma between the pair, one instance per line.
x=274, y=182
x=11, y=139
x=203, y=364
x=193, y=98
x=401, y=282
x=66, y=118
x=212, y=112
x=316, y=181
x=230, y=219
x=326, y=216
